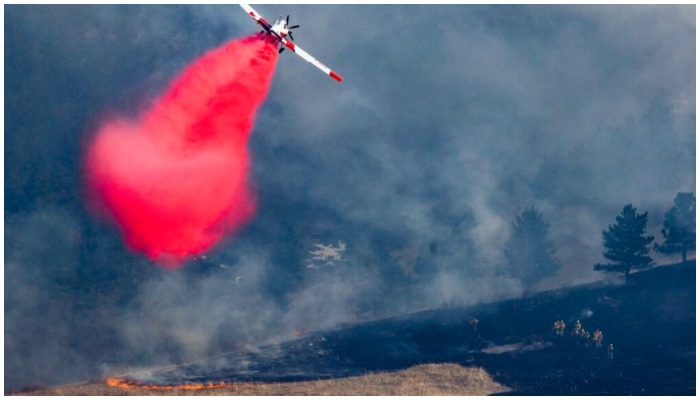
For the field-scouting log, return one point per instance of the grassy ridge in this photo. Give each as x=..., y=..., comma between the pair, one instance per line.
x=427, y=379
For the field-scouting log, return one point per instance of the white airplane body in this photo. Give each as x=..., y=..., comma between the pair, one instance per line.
x=281, y=31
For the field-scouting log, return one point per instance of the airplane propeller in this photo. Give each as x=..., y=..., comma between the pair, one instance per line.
x=289, y=32
x=289, y=28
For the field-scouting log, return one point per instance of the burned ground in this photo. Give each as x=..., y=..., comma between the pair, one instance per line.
x=650, y=321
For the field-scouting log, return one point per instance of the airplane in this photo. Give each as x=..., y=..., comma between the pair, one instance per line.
x=282, y=31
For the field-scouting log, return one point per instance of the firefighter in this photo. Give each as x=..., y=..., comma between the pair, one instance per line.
x=474, y=322
x=577, y=329
x=584, y=337
x=598, y=338
x=559, y=327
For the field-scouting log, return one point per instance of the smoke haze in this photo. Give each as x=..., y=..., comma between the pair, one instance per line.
x=451, y=121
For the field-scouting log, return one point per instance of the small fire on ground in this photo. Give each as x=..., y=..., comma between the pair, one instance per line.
x=126, y=384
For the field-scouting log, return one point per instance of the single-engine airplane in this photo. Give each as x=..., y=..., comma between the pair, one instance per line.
x=283, y=34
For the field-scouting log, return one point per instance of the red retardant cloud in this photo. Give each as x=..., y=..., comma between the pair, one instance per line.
x=176, y=181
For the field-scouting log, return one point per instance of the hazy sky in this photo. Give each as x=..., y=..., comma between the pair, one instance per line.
x=450, y=122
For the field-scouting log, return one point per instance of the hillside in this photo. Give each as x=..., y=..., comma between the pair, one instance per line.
x=650, y=321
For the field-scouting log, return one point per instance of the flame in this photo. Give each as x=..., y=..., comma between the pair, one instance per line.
x=126, y=384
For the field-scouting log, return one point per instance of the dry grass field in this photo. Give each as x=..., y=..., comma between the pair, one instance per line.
x=428, y=379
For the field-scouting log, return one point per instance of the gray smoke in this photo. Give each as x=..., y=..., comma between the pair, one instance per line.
x=450, y=122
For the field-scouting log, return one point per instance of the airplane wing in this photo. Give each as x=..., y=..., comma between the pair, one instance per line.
x=257, y=17
x=306, y=56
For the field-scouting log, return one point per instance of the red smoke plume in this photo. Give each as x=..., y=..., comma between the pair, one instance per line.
x=176, y=180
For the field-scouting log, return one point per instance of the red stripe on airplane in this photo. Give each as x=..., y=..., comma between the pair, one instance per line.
x=336, y=76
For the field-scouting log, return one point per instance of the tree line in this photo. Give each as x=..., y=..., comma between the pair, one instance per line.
x=531, y=254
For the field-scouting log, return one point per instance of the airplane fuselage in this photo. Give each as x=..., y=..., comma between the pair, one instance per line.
x=280, y=28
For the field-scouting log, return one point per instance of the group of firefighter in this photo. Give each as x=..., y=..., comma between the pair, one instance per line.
x=583, y=336
x=577, y=331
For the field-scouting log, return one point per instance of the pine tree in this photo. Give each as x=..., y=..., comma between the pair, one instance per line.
x=679, y=227
x=625, y=243
x=529, y=251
